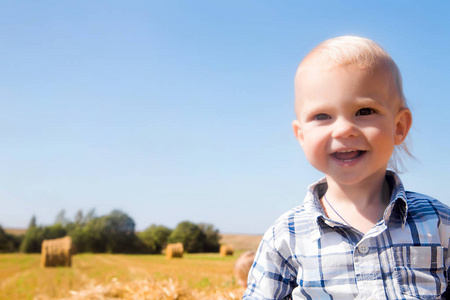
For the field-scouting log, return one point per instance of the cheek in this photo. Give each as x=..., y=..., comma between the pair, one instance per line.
x=308, y=141
x=314, y=146
x=385, y=133
x=383, y=139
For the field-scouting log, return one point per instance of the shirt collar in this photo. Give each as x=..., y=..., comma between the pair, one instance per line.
x=398, y=199
x=398, y=204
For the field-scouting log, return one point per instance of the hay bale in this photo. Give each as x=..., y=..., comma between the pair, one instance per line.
x=242, y=267
x=174, y=250
x=226, y=250
x=57, y=252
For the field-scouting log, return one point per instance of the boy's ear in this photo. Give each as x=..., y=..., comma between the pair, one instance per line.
x=297, y=131
x=402, y=125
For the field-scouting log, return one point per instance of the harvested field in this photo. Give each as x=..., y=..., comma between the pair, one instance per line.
x=242, y=242
x=15, y=231
x=107, y=276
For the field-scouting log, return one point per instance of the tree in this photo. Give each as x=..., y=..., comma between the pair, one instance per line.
x=78, y=220
x=113, y=233
x=190, y=235
x=212, y=243
x=32, y=222
x=53, y=232
x=32, y=240
x=90, y=215
x=155, y=237
x=89, y=238
x=34, y=237
x=118, y=231
x=7, y=242
x=61, y=218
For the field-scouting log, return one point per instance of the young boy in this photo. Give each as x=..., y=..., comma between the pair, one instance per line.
x=358, y=233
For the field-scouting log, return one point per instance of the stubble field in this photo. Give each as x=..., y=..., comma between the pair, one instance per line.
x=109, y=276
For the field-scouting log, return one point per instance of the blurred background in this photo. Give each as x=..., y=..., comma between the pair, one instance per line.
x=182, y=110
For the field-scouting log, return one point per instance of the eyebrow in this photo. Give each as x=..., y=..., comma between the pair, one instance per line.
x=368, y=101
x=314, y=107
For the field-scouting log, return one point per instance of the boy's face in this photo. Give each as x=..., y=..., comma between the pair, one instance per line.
x=348, y=121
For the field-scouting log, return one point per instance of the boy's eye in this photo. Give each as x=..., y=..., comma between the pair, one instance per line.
x=321, y=117
x=365, y=112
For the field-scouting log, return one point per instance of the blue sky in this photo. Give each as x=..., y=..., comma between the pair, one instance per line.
x=182, y=110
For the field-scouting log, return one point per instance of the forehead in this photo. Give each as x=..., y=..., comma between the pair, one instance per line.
x=316, y=82
x=317, y=62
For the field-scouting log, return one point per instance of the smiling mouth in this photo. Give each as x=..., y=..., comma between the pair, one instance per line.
x=346, y=156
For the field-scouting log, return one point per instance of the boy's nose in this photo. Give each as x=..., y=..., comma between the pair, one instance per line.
x=343, y=129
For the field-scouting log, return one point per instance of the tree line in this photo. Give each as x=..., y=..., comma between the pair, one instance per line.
x=112, y=233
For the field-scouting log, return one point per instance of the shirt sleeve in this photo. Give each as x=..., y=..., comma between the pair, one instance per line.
x=271, y=275
x=447, y=258
x=444, y=229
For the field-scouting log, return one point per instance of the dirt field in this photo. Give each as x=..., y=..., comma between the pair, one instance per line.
x=15, y=231
x=242, y=242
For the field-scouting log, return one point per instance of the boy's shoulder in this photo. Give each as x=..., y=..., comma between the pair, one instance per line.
x=296, y=211
x=300, y=222
x=296, y=221
x=300, y=213
x=423, y=205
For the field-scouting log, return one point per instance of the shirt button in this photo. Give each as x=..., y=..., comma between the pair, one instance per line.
x=363, y=249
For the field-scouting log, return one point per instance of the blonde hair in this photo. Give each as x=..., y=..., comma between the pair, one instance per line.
x=369, y=56
x=242, y=267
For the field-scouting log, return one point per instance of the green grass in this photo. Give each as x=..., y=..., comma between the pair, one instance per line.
x=21, y=276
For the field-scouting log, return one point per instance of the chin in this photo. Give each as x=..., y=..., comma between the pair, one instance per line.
x=354, y=179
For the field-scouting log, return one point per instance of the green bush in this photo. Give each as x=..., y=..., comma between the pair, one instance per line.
x=35, y=235
x=212, y=243
x=155, y=238
x=89, y=237
x=9, y=242
x=114, y=233
x=196, y=238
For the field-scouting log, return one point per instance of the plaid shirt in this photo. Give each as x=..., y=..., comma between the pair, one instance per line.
x=305, y=255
